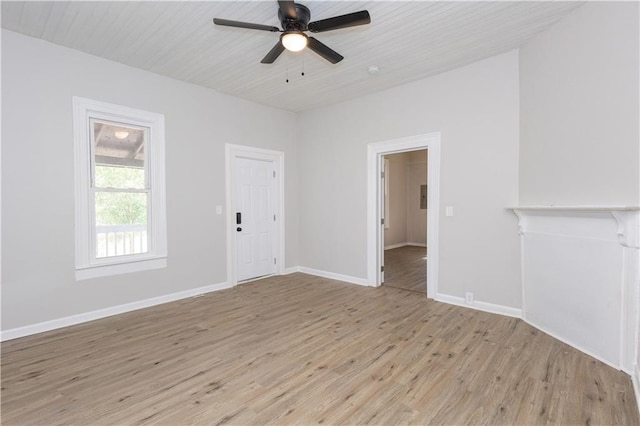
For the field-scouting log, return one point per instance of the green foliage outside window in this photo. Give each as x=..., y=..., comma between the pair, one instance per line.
x=120, y=208
x=119, y=177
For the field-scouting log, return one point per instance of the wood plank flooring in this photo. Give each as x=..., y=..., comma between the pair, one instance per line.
x=405, y=268
x=305, y=350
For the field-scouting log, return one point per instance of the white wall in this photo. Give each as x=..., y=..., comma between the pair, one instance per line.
x=570, y=96
x=38, y=82
x=476, y=110
x=579, y=109
x=579, y=114
x=396, y=233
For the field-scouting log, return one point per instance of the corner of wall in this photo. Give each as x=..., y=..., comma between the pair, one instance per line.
x=635, y=379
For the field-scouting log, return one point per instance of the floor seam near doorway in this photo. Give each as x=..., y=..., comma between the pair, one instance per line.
x=406, y=268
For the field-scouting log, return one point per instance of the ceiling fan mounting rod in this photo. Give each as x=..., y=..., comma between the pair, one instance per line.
x=299, y=22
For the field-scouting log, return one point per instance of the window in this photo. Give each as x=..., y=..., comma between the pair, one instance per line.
x=120, y=194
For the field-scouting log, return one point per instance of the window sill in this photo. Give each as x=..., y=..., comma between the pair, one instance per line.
x=120, y=268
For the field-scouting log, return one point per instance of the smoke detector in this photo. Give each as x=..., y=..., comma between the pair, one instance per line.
x=373, y=70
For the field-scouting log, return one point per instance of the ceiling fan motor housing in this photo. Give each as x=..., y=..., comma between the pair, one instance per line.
x=294, y=19
x=297, y=24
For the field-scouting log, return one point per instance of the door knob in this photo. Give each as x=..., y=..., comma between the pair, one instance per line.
x=238, y=229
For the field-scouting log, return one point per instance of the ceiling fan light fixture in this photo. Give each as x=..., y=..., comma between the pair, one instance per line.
x=294, y=41
x=121, y=134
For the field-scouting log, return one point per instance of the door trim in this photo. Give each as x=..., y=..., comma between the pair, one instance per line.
x=375, y=150
x=232, y=152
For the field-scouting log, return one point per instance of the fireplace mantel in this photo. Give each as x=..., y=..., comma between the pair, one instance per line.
x=577, y=208
x=580, y=273
x=625, y=216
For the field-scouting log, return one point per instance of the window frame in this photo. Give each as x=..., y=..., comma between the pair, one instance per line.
x=87, y=265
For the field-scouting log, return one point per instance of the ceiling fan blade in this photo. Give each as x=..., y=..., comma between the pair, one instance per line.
x=288, y=9
x=342, y=21
x=238, y=24
x=273, y=54
x=324, y=51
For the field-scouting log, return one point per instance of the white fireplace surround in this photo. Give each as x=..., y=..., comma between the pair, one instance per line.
x=580, y=277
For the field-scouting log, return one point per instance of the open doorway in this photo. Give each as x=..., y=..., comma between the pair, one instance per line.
x=405, y=220
x=375, y=204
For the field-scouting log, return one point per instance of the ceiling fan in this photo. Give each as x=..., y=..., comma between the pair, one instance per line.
x=294, y=18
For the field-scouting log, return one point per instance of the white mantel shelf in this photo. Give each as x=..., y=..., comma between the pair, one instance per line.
x=627, y=218
x=577, y=208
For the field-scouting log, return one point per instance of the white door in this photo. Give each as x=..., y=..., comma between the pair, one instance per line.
x=255, y=218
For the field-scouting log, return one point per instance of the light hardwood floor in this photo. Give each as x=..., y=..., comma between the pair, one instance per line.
x=305, y=350
x=405, y=268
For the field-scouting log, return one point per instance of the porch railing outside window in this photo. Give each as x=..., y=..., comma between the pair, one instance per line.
x=117, y=240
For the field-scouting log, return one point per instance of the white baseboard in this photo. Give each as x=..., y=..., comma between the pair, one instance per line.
x=573, y=345
x=291, y=270
x=417, y=244
x=481, y=306
x=394, y=246
x=334, y=276
x=41, y=327
x=517, y=313
x=635, y=379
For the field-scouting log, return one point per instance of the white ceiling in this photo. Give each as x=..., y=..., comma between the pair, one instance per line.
x=406, y=40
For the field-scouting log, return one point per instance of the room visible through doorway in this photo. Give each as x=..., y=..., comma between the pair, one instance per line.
x=405, y=220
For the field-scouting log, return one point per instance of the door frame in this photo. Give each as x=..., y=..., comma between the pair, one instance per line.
x=232, y=152
x=375, y=151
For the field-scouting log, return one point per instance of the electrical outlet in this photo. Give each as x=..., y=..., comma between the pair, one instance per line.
x=468, y=298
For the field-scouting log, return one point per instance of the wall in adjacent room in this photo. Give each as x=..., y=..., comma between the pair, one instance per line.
x=396, y=233
x=416, y=217
x=407, y=221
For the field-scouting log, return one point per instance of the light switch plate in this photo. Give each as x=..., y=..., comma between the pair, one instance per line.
x=218, y=209
x=448, y=211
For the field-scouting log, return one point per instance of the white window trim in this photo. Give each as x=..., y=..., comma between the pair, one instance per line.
x=87, y=266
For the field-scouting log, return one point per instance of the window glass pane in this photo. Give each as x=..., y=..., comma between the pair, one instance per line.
x=121, y=223
x=119, y=177
x=119, y=156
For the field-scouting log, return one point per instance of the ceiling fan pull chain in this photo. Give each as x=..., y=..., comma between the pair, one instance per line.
x=302, y=67
x=287, y=73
